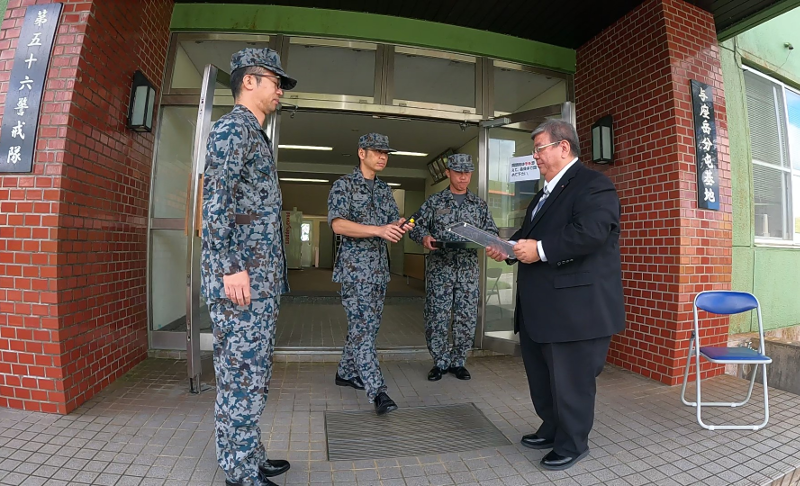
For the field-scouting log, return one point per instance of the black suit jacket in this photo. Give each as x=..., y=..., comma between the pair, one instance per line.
x=577, y=294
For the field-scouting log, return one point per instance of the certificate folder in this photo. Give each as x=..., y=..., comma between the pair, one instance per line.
x=483, y=238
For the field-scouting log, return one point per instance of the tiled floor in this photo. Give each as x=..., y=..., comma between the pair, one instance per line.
x=324, y=325
x=319, y=281
x=146, y=429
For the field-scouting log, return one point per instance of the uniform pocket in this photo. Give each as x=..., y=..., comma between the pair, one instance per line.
x=572, y=280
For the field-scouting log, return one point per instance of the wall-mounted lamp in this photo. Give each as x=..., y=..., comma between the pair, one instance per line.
x=603, y=141
x=143, y=97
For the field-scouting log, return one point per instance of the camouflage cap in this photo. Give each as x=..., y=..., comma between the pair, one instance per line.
x=375, y=141
x=266, y=58
x=460, y=163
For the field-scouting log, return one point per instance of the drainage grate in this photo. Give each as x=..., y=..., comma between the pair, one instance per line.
x=417, y=431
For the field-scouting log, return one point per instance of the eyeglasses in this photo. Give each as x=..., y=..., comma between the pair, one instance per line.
x=538, y=149
x=276, y=78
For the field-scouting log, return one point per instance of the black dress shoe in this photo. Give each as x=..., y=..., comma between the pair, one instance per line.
x=274, y=467
x=533, y=441
x=556, y=462
x=384, y=404
x=355, y=382
x=436, y=374
x=460, y=372
x=250, y=482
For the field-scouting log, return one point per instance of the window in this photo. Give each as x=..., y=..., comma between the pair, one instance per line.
x=305, y=232
x=773, y=114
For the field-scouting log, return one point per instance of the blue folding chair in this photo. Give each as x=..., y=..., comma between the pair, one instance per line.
x=726, y=302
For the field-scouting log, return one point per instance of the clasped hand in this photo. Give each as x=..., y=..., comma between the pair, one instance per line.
x=526, y=251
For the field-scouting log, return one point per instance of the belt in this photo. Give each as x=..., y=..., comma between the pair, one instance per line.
x=245, y=218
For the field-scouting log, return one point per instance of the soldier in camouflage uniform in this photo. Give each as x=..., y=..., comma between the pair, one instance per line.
x=362, y=209
x=451, y=274
x=243, y=263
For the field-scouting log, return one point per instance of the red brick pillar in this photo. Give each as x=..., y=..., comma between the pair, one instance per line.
x=73, y=234
x=638, y=70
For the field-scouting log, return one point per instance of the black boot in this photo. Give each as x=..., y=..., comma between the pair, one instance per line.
x=274, y=467
x=460, y=372
x=435, y=374
x=354, y=382
x=384, y=404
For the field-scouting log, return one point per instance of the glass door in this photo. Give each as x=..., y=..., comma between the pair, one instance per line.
x=178, y=314
x=505, y=146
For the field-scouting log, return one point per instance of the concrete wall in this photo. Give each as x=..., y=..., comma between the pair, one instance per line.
x=769, y=272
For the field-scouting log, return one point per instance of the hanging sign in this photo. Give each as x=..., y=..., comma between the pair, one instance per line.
x=705, y=136
x=523, y=169
x=24, y=97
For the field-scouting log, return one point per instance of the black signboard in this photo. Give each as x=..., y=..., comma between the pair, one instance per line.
x=24, y=97
x=705, y=137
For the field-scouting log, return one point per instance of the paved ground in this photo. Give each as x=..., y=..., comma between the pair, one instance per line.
x=145, y=429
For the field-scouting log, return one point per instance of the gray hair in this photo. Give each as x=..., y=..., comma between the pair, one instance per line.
x=560, y=130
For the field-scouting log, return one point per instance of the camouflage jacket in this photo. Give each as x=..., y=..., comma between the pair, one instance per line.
x=241, y=179
x=362, y=260
x=438, y=213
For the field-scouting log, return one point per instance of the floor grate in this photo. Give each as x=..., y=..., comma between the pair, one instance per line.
x=361, y=434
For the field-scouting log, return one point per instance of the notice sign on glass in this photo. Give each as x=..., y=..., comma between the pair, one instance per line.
x=705, y=136
x=24, y=97
x=523, y=169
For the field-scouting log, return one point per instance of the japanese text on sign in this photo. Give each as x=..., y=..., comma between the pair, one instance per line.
x=24, y=97
x=523, y=169
x=705, y=134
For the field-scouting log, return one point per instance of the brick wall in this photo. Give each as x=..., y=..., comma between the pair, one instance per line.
x=73, y=234
x=638, y=70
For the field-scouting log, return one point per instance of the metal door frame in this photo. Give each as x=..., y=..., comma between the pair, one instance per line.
x=211, y=75
x=523, y=120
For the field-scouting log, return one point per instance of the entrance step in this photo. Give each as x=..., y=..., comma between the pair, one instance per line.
x=331, y=355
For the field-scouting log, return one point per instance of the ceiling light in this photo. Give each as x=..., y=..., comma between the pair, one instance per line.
x=393, y=184
x=410, y=154
x=304, y=147
x=300, y=179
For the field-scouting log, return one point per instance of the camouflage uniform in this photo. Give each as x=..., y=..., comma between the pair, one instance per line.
x=451, y=275
x=362, y=267
x=242, y=230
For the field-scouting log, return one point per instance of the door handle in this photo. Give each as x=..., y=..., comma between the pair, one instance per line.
x=198, y=220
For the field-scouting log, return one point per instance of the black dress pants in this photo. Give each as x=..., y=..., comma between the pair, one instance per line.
x=563, y=383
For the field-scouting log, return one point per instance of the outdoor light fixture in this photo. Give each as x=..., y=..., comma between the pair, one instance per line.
x=603, y=141
x=143, y=98
x=304, y=147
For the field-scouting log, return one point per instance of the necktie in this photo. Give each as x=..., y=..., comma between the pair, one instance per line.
x=540, y=203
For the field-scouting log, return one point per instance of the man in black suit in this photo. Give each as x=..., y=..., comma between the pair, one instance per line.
x=569, y=292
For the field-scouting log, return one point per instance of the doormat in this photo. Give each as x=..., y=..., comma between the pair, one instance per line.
x=417, y=431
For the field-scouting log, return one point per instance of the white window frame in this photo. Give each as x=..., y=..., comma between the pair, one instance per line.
x=794, y=240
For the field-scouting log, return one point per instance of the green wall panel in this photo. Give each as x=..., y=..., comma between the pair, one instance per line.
x=776, y=284
x=742, y=280
x=739, y=139
x=381, y=28
x=764, y=46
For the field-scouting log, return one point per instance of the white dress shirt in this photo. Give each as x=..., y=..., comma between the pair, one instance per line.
x=550, y=187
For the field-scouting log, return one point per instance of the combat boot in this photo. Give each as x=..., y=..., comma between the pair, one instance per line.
x=384, y=404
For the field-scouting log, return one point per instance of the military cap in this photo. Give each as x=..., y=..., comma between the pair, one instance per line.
x=266, y=58
x=375, y=141
x=460, y=163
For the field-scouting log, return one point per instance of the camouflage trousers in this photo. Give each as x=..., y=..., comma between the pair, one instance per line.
x=244, y=339
x=363, y=304
x=446, y=297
